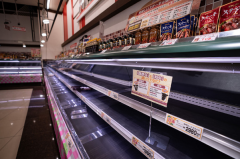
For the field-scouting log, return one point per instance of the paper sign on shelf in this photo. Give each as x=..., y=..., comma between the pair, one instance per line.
x=151, y=86
x=206, y=37
x=69, y=141
x=147, y=151
x=141, y=46
x=168, y=42
x=127, y=47
x=103, y=51
x=112, y=94
x=184, y=126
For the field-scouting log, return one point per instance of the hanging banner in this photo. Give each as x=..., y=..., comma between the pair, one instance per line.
x=16, y=28
x=151, y=86
x=160, y=11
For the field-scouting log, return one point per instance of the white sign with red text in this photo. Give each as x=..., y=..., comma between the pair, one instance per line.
x=16, y=28
x=168, y=42
x=141, y=46
x=207, y=37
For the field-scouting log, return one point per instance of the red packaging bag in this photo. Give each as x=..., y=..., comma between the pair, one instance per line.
x=229, y=16
x=208, y=21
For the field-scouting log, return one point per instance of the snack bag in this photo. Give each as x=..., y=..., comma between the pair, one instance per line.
x=208, y=21
x=195, y=26
x=229, y=16
x=183, y=27
x=166, y=31
x=192, y=24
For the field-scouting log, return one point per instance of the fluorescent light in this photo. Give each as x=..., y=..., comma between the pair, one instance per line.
x=8, y=72
x=41, y=45
x=24, y=45
x=48, y=3
x=45, y=21
x=43, y=41
x=44, y=34
x=9, y=68
x=30, y=68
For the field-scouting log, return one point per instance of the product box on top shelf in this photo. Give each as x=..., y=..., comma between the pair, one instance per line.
x=154, y=33
x=138, y=37
x=183, y=27
x=145, y=35
x=166, y=31
x=229, y=16
x=208, y=21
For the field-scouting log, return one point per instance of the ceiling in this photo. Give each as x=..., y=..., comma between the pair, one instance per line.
x=53, y=3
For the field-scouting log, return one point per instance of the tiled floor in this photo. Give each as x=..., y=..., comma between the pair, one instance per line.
x=25, y=124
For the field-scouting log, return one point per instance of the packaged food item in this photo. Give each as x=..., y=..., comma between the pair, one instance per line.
x=208, y=21
x=104, y=45
x=110, y=44
x=195, y=26
x=138, y=37
x=133, y=40
x=174, y=30
x=229, y=16
x=129, y=40
x=100, y=46
x=124, y=41
x=183, y=27
x=154, y=34
x=192, y=25
x=119, y=44
x=145, y=35
x=114, y=44
x=166, y=31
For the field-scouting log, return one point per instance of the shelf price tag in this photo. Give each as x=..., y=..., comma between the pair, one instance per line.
x=147, y=151
x=103, y=51
x=168, y=42
x=186, y=127
x=106, y=118
x=127, y=47
x=207, y=37
x=141, y=46
x=112, y=94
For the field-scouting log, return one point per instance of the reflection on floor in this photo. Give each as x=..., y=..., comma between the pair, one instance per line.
x=25, y=124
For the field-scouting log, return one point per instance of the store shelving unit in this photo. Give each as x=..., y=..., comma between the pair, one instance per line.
x=204, y=92
x=20, y=71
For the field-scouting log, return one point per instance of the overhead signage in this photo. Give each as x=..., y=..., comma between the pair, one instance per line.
x=206, y=37
x=160, y=11
x=186, y=127
x=36, y=53
x=73, y=45
x=151, y=86
x=16, y=28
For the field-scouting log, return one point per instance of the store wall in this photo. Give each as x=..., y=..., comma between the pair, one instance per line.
x=113, y=24
x=13, y=35
x=53, y=46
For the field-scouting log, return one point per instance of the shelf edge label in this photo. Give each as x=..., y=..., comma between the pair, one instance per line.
x=112, y=94
x=141, y=46
x=147, y=151
x=168, y=42
x=106, y=117
x=184, y=126
x=127, y=47
x=206, y=37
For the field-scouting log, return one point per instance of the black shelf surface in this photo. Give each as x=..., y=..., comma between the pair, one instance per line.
x=221, y=123
x=177, y=144
x=110, y=145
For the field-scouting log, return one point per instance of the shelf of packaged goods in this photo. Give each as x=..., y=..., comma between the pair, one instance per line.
x=93, y=100
x=219, y=141
x=206, y=64
x=224, y=46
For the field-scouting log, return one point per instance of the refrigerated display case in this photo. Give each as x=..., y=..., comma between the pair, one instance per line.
x=20, y=71
x=204, y=95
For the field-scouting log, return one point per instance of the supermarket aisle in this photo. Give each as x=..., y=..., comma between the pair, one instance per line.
x=25, y=124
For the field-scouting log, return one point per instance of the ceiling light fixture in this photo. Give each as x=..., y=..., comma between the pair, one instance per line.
x=48, y=3
x=24, y=45
x=41, y=45
x=42, y=41
x=44, y=32
x=44, y=17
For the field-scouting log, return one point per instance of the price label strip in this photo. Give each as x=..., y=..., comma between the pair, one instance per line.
x=112, y=94
x=141, y=46
x=188, y=128
x=168, y=42
x=103, y=51
x=207, y=37
x=106, y=118
x=127, y=47
x=147, y=151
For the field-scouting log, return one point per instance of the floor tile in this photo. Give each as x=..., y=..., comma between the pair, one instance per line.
x=9, y=151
